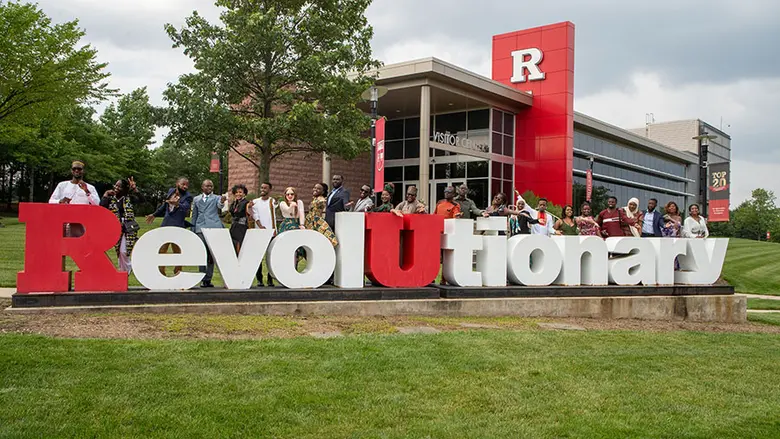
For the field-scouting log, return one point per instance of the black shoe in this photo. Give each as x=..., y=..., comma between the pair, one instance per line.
x=206, y=285
x=270, y=282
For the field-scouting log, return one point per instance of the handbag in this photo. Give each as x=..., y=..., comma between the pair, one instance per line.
x=130, y=226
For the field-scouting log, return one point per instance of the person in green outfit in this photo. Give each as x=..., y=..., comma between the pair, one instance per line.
x=566, y=225
x=387, y=199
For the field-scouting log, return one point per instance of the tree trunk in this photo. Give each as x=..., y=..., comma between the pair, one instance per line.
x=32, y=184
x=264, y=173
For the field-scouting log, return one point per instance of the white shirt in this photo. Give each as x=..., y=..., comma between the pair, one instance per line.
x=67, y=189
x=263, y=213
x=693, y=228
x=545, y=229
x=647, y=225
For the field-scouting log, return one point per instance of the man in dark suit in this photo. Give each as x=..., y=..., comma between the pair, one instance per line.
x=337, y=201
x=174, y=210
x=651, y=226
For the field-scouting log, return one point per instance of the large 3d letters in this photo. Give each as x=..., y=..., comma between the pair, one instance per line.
x=421, y=246
x=459, y=244
x=147, y=258
x=45, y=247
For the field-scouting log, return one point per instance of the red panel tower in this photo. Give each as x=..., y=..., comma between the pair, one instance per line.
x=541, y=61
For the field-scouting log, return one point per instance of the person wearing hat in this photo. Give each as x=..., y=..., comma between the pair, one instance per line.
x=411, y=204
x=75, y=191
x=387, y=199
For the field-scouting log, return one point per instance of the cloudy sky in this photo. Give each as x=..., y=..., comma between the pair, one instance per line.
x=714, y=60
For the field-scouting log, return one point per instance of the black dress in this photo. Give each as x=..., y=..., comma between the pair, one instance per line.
x=240, y=221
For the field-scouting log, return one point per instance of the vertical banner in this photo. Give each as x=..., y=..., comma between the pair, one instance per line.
x=379, y=160
x=588, y=184
x=718, y=196
x=214, y=167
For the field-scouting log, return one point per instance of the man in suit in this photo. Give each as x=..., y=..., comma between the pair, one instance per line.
x=651, y=227
x=205, y=215
x=337, y=201
x=174, y=210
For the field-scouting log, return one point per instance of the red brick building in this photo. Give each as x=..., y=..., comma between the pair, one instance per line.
x=299, y=170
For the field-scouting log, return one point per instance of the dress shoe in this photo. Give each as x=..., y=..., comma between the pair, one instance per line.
x=206, y=285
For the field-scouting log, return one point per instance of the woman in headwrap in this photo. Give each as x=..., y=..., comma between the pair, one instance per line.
x=387, y=199
x=632, y=211
x=120, y=201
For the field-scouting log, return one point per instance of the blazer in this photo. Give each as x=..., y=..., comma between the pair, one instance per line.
x=658, y=222
x=178, y=216
x=338, y=203
x=205, y=213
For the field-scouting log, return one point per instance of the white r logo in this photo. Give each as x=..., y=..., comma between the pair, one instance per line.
x=520, y=64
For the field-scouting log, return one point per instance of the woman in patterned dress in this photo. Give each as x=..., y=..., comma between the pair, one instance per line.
x=292, y=211
x=120, y=201
x=672, y=221
x=387, y=199
x=315, y=218
x=586, y=223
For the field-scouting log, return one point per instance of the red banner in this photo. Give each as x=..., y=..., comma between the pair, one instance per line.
x=214, y=162
x=719, y=190
x=718, y=211
x=379, y=160
x=588, y=184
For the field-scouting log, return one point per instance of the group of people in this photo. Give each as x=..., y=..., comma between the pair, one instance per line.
x=205, y=211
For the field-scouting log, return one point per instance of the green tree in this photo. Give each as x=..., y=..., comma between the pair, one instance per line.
x=282, y=75
x=131, y=122
x=42, y=68
x=756, y=216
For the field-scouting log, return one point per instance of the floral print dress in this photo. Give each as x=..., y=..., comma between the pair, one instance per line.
x=315, y=220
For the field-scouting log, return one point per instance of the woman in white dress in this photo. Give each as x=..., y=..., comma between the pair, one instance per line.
x=695, y=226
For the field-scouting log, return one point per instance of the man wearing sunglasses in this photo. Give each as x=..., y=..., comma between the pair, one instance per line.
x=75, y=191
x=364, y=203
x=410, y=204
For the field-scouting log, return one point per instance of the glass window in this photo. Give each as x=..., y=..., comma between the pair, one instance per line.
x=498, y=119
x=412, y=148
x=477, y=169
x=509, y=146
x=497, y=168
x=451, y=122
x=413, y=127
x=508, y=171
x=508, y=191
x=394, y=150
x=394, y=173
x=478, y=190
x=509, y=124
x=498, y=143
x=479, y=119
x=412, y=172
x=441, y=171
x=458, y=170
x=495, y=186
x=394, y=129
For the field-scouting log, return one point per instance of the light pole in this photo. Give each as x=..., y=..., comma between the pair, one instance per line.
x=704, y=142
x=372, y=95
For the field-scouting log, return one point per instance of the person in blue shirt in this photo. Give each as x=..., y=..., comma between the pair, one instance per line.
x=174, y=210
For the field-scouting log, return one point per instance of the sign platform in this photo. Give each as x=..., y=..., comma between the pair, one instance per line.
x=141, y=296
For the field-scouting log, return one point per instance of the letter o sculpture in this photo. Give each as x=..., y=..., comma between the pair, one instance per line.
x=320, y=259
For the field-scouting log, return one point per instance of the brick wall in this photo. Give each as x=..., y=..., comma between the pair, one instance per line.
x=300, y=170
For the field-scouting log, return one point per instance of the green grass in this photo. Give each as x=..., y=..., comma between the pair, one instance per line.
x=753, y=266
x=763, y=304
x=480, y=384
x=765, y=318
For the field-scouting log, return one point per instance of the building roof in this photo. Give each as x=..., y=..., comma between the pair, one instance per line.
x=604, y=129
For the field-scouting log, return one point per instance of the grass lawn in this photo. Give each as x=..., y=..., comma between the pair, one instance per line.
x=753, y=266
x=763, y=304
x=482, y=384
x=765, y=318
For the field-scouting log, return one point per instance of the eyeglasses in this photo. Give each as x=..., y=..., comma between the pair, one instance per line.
x=290, y=194
x=411, y=195
x=76, y=169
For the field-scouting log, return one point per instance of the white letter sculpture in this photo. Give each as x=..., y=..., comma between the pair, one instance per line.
x=638, y=264
x=320, y=259
x=146, y=258
x=533, y=260
x=238, y=272
x=491, y=260
x=584, y=260
x=703, y=262
x=459, y=244
x=350, y=253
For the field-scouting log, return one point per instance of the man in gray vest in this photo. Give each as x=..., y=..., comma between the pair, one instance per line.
x=205, y=215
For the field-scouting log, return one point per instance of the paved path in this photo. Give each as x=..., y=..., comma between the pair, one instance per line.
x=762, y=296
x=764, y=311
x=6, y=292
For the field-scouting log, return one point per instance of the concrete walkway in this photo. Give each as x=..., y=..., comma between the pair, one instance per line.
x=6, y=292
x=761, y=296
x=764, y=311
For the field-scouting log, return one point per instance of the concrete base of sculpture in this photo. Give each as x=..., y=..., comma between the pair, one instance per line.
x=721, y=306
